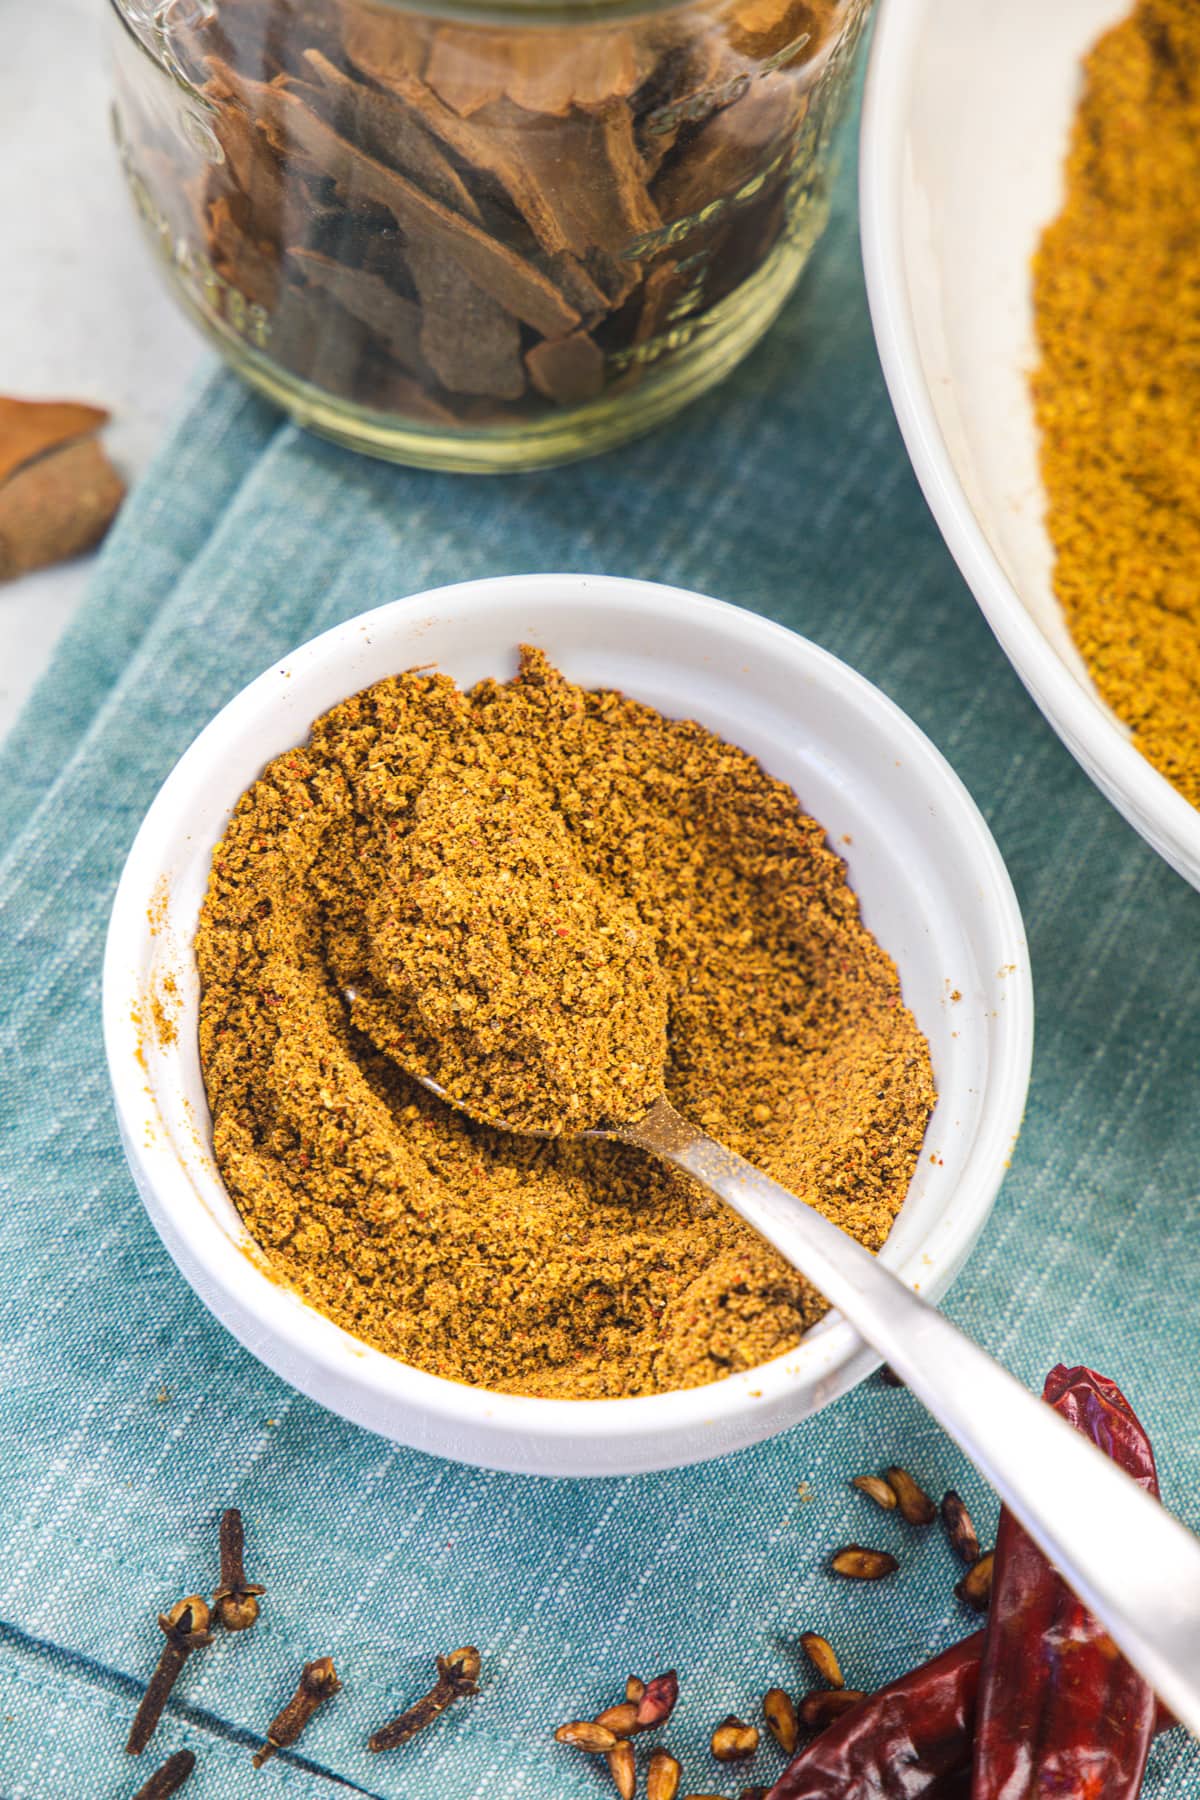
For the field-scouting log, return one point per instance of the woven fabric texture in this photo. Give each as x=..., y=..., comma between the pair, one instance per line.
x=129, y=1419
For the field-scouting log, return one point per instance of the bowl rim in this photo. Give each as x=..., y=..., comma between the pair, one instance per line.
x=1092, y=734
x=826, y=1351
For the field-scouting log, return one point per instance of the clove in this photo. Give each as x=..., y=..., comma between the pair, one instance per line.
x=235, y=1603
x=457, y=1675
x=185, y=1628
x=169, y=1778
x=318, y=1682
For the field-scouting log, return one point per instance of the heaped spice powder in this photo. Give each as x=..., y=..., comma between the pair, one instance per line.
x=1117, y=388
x=551, y=1267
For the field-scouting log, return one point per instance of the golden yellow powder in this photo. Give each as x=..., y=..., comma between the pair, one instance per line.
x=551, y=1267
x=1117, y=390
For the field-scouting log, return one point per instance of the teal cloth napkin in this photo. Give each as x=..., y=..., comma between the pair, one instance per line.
x=129, y=1419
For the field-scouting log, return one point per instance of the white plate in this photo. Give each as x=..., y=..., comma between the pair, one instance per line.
x=965, y=124
x=933, y=890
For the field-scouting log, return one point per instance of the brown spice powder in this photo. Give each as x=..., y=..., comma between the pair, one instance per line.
x=1117, y=391
x=560, y=1268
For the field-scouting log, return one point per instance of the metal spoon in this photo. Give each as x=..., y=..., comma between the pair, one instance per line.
x=1131, y=1562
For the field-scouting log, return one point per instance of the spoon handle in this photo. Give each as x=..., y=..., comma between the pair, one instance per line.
x=1131, y=1562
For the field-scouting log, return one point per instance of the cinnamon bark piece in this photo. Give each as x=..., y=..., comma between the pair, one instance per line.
x=731, y=149
x=249, y=159
x=29, y=428
x=389, y=316
x=469, y=341
x=567, y=370
x=390, y=132
x=380, y=53
x=541, y=71
x=314, y=335
x=297, y=131
x=248, y=263
x=57, y=506
x=587, y=169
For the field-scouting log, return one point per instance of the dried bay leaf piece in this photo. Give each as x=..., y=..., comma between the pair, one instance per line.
x=542, y=71
x=567, y=370
x=389, y=316
x=29, y=428
x=392, y=133
x=492, y=266
x=469, y=341
x=57, y=505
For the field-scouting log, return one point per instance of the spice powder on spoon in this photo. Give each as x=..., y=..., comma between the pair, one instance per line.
x=671, y=897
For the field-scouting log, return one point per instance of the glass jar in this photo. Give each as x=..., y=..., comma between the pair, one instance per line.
x=482, y=240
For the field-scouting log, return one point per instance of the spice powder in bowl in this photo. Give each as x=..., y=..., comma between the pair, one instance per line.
x=563, y=892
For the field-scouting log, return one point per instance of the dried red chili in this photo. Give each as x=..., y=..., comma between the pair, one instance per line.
x=897, y=1743
x=911, y=1740
x=1060, y=1710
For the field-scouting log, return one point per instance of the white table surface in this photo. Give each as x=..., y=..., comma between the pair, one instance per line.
x=83, y=315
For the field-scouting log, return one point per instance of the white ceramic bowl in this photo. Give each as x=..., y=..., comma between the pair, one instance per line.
x=968, y=106
x=933, y=890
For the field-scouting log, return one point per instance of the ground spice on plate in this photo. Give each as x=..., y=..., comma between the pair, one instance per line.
x=1117, y=390
x=564, y=1268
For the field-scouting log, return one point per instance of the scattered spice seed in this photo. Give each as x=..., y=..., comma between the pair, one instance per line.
x=169, y=1778
x=621, y=1720
x=820, y=1709
x=585, y=1734
x=734, y=1740
x=890, y=1378
x=781, y=1719
x=823, y=1657
x=779, y=1711
x=959, y=1528
x=635, y=1687
x=662, y=1776
x=976, y=1585
x=913, y=1501
x=623, y=1769
x=318, y=1683
x=185, y=1628
x=860, y=1564
x=457, y=1676
x=235, y=1603
x=876, y=1489
x=658, y=1702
